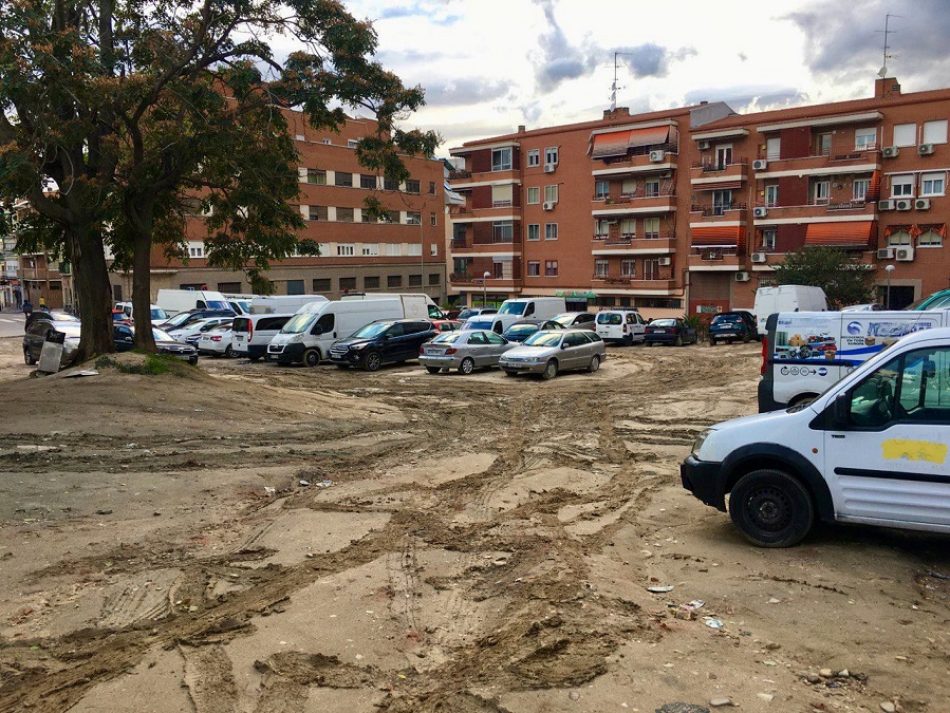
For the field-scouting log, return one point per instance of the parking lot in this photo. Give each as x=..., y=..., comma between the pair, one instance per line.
x=247, y=537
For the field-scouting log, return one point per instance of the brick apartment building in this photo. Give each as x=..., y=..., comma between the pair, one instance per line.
x=690, y=209
x=406, y=253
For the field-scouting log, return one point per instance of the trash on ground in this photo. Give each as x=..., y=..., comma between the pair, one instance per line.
x=80, y=374
x=660, y=588
x=324, y=483
x=712, y=622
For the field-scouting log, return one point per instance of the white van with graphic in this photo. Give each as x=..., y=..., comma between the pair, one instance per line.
x=519, y=308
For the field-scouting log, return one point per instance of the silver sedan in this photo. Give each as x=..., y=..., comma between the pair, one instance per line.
x=549, y=353
x=464, y=350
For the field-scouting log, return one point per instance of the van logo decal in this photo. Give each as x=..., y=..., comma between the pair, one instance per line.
x=854, y=328
x=907, y=449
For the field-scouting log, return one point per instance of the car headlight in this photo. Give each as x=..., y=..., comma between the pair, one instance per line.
x=296, y=338
x=357, y=346
x=700, y=440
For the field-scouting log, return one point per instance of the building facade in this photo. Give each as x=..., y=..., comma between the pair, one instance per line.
x=691, y=209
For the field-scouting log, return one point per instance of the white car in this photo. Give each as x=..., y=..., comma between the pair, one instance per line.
x=217, y=341
x=193, y=331
x=624, y=326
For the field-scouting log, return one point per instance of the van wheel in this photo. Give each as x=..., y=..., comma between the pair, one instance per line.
x=433, y=369
x=550, y=370
x=311, y=357
x=28, y=357
x=771, y=508
x=594, y=364
x=372, y=361
x=228, y=352
x=467, y=366
x=628, y=340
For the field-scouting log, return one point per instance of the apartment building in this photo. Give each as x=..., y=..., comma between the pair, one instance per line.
x=691, y=209
x=403, y=253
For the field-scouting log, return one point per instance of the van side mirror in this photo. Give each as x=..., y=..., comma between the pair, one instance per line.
x=841, y=409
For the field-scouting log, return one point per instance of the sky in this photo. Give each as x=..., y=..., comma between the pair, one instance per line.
x=489, y=65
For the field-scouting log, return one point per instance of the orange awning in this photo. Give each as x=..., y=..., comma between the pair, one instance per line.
x=721, y=186
x=874, y=188
x=618, y=143
x=716, y=236
x=845, y=234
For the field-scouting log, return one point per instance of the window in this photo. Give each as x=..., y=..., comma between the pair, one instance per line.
x=434, y=250
x=908, y=388
x=769, y=239
x=935, y=132
x=534, y=268
x=117, y=293
x=503, y=232
x=394, y=281
x=821, y=191
x=534, y=195
x=432, y=219
x=368, y=182
x=390, y=185
x=315, y=212
x=550, y=231
x=930, y=239
x=721, y=202
x=501, y=159
x=415, y=280
x=899, y=238
x=347, y=283
x=651, y=269
x=414, y=249
x=345, y=249
x=601, y=190
x=651, y=188
x=196, y=250
x=435, y=278
x=344, y=215
x=325, y=142
x=601, y=267
x=389, y=216
x=628, y=268
x=316, y=177
x=501, y=196
x=628, y=187
x=550, y=194
x=859, y=189
x=601, y=229
x=550, y=268
x=534, y=231
x=550, y=155
x=344, y=179
x=229, y=288
x=865, y=139
x=905, y=134
x=369, y=249
x=413, y=186
x=902, y=185
x=413, y=217
x=534, y=158
x=773, y=148
x=771, y=195
x=322, y=284
x=432, y=188
x=351, y=143
x=651, y=228
x=824, y=144
x=458, y=232
x=932, y=184
x=371, y=282
x=295, y=287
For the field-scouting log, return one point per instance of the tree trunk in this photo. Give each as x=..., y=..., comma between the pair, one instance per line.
x=92, y=292
x=141, y=291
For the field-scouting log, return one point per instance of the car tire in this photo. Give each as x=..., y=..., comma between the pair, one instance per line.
x=679, y=340
x=508, y=372
x=28, y=357
x=311, y=358
x=433, y=369
x=771, y=508
x=628, y=340
x=372, y=361
x=594, y=364
x=193, y=361
x=712, y=342
x=228, y=352
x=467, y=366
x=550, y=370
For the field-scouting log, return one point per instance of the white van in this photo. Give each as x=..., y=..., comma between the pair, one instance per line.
x=874, y=449
x=433, y=309
x=787, y=298
x=804, y=353
x=253, y=332
x=283, y=304
x=625, y=326
x=518, y=308
x=307, y=337
x=175, y=301
x=241, y=304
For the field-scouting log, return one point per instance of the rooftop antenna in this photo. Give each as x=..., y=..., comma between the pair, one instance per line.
x=614, y=87
x=887, y=31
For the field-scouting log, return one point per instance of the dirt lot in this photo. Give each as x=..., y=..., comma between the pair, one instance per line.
x=268, y=540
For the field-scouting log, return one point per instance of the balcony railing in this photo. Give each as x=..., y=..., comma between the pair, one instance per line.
x=638, y=194
x=457, y=173
x=716, y=209
x=710, y=166
x=714, y=255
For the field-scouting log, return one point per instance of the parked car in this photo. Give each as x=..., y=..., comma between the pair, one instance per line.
x=624, y=326
x=494, y=322
x=175, y=301
x=733, y=326
x=217, y=341
x=166, y=344
x=549, y=353
x=158, y=314
x=577, y=320
x=385, y=341
x=192, y=332
x=673, y=330
x=252, y=333
x=519, y=331
x=43, y=325
x=465, y=351
x=446, y=325
x=470, y=312
x=183, y=319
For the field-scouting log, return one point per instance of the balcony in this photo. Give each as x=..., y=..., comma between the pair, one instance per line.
x=662, y=201
x=620, y=245
x=859, y=209
x=638, y=162
x=476, y=279
x=726, y=260
x=633, y=283
x=463, y=178
x=710, y=174
x=856, y=161
x=502, y=211
x=703, y=214
x=482, y=238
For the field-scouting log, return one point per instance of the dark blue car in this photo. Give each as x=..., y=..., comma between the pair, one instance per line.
x=732, y=327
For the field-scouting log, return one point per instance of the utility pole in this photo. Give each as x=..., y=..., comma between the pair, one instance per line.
x=614, y=87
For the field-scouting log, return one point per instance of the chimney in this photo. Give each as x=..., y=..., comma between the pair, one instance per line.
x=886, y=87
x=520, y=128
x=616, y=113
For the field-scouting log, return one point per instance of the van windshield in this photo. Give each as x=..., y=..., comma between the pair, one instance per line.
x=513, y=308
x=371, y=330
x=478, y=324
x=298, y=323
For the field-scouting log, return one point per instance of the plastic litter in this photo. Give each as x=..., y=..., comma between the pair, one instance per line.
x=269, y=490
x=712, y=622
x=660, y=588
x=324, y=483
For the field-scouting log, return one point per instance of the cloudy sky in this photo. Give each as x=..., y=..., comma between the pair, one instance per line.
x=490, y=65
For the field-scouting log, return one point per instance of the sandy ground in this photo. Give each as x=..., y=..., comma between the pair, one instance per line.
x=266, y=540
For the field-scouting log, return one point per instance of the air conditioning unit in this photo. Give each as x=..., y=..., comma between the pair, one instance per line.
x=703, y=145
x=904, y=254
x=890, y=152
x=885, y=205
x=922, y=204
x=549, y=167
x=759, y=258
x=885, y=253
x=549, y=205
x=665, y=261
x=925, y=149
x=903, y=204
x=760, y=164
x=760, y=211
x=742, y=276
x=657, y=155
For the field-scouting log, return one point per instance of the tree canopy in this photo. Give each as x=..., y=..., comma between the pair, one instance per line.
x=845, y=280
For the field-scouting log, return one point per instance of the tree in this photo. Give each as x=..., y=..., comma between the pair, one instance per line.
x=844, y=279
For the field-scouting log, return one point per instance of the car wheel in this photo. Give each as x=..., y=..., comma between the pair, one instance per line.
x=372, y=361
x=508, y=372
x=628, y=340
x=594, y=364
x=771, y=508
x=228, y=352
x=28, y=357
x=550, y=370
x=193, y=360
x=311, y=357
x=433, y=369
x=679, y=340
x=467, y=366
x=712, y=342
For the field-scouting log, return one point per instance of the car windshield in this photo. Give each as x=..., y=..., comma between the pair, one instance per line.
x=300, y=322
x=371, y=330
x=513, y=308
x=609, y=318
x=447, y=338
x=543, y=339
x=178, y=320
x=159, y=313
x=478, y=324
x=159, y=336
x=663, y=323
x=218, y=304
x=523, y=329
x=565, y=319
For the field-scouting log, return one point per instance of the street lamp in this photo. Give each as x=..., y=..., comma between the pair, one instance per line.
x=485, y=288
x=887, y=300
